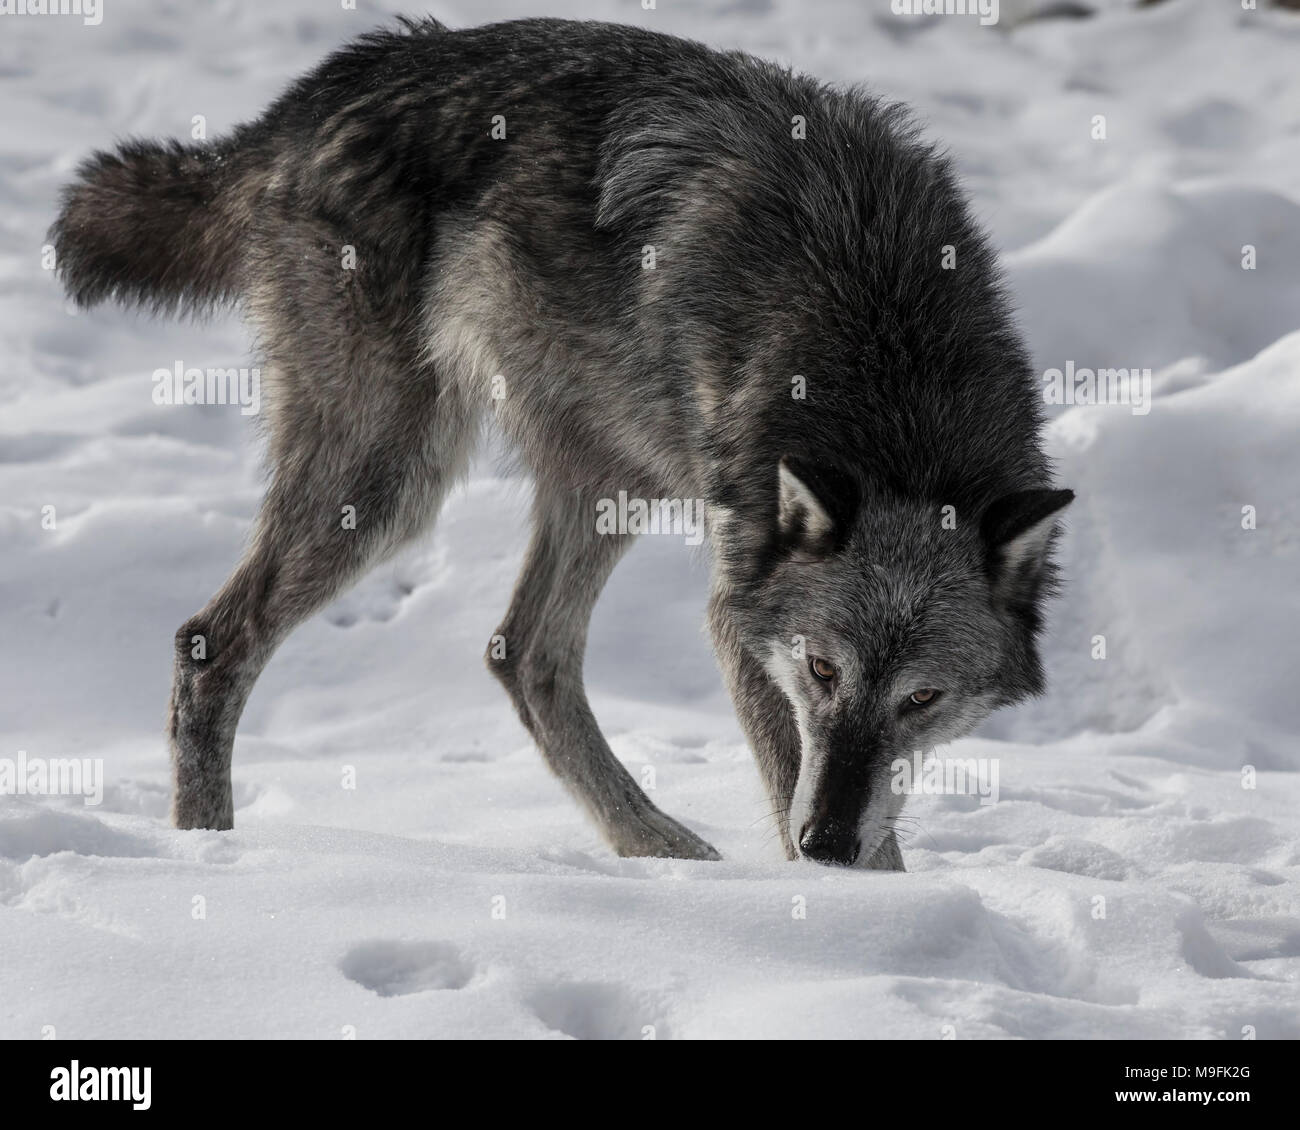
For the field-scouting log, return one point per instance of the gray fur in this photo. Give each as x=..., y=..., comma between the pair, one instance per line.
x=504, y=277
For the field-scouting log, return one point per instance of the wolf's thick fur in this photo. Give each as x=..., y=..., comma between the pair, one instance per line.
x=798, y=356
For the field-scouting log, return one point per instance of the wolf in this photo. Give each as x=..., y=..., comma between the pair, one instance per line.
x=659, y=269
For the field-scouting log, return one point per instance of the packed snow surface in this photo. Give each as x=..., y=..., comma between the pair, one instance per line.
x=1140, y=872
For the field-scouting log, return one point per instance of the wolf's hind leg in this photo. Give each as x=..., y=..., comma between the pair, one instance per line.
x=337, y=504
x=544, y=637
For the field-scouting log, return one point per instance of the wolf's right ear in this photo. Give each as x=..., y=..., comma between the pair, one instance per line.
x=816, y=504
x=1017, y=530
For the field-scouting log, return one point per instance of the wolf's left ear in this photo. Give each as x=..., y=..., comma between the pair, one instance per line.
x=1017, y=531
x=816, y=504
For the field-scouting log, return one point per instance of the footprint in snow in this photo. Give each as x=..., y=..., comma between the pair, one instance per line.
x=395, y=969
x=598, y=1011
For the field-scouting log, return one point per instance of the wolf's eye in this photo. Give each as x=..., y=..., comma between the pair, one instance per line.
x=923, y=697
x=823, y=670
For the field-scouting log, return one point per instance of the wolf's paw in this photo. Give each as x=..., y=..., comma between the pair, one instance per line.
x=652, y=833
x=203, y=808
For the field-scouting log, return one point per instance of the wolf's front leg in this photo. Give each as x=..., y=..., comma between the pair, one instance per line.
x=888, y=857
x=765, y=715
x=537, y=655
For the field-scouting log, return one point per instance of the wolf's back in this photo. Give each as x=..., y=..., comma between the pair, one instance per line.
x=158, y=224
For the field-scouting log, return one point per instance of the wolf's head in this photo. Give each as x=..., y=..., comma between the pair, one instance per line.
x=891, y=626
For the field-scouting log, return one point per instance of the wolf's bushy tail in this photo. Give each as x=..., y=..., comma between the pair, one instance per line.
x=162, y=225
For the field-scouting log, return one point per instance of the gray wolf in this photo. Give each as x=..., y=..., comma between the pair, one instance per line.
x=665, y=271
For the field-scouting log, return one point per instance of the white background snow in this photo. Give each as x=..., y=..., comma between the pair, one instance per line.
x=331, y=910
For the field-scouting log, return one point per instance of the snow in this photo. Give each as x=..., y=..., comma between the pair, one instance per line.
x=1139, y=875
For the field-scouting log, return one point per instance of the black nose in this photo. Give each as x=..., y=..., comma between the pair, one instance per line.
x=831, y=841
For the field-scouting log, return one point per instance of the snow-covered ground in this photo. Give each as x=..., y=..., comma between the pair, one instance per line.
x=1135, y=877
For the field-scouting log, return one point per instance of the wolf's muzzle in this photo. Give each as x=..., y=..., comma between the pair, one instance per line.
x=830, y=841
